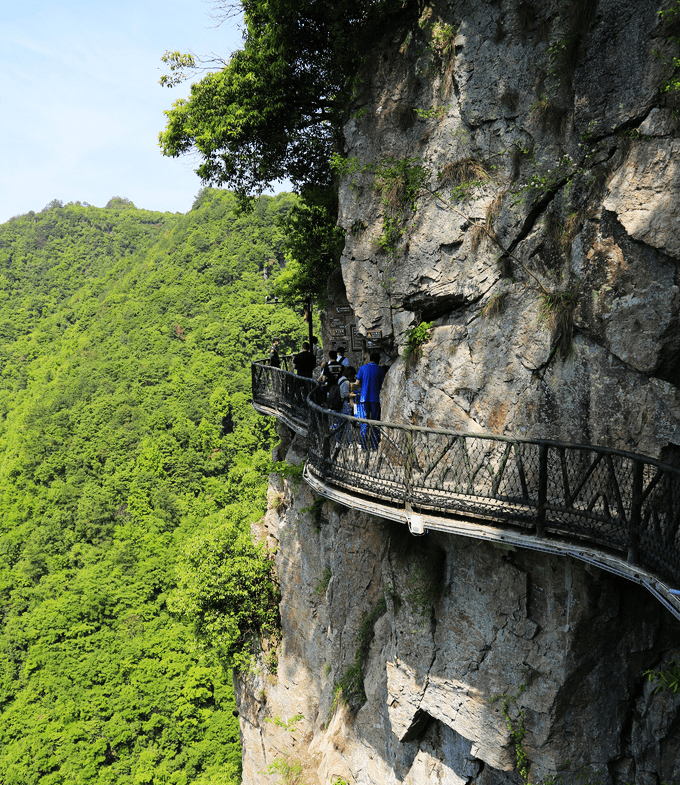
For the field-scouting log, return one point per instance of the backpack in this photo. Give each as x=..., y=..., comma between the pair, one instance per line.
x=334, y=369
x=335, y=398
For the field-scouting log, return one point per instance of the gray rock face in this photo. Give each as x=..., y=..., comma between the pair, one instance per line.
x=544, y=250
x=645, y=194
x=470, y=643
x=617, y=76
x=550, y=172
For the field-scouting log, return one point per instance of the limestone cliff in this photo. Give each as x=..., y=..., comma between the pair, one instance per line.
x=511, y=176
x=454, y=631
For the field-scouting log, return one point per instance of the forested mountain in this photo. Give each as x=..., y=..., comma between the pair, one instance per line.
x=128, y=453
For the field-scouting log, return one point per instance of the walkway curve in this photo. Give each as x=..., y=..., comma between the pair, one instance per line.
x=614, y=509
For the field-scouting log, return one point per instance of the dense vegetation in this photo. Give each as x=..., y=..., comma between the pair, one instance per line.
x=131, y=466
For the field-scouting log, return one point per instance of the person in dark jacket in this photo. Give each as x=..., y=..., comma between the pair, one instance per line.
x=274, y=354
x=304, y=362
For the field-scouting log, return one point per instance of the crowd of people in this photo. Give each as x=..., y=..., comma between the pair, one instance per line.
x=345, y=390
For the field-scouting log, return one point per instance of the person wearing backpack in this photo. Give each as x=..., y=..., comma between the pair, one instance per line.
x=339, y=401
x=345, y=384
x=331, y=372
x=334, y=399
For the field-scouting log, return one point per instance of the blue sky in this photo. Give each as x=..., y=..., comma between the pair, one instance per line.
x=80, y=102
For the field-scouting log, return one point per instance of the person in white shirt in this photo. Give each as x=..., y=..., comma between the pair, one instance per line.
x=341, y=356
x=342, y=428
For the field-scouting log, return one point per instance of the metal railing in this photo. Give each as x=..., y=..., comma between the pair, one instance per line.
x=623, y=504
x=280, y=392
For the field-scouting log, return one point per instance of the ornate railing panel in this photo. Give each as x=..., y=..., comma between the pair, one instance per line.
x=282, y=392
x=626, y=505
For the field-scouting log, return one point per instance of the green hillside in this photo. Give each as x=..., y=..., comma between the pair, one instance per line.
x=130, y=458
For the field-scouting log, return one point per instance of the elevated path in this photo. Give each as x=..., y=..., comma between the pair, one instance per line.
x=616, y=510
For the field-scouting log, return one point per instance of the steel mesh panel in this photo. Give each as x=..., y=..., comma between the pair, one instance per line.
x=660, y=520
x=471, y=476
x=281, y=390
x=585, y=496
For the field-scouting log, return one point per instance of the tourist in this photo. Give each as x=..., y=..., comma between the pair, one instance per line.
x=339, y=400
x=340, y=351
x=345, y=382
x=274, y=354
x=369, y=380
x=304, y=362
x=331, y=371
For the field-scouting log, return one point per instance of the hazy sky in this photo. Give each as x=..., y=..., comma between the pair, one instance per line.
x=80, y=103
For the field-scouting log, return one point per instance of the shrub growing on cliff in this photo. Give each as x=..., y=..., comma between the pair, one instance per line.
x=415, y=338
x=557, y=313
x=349, y=688
x=666, y=679
x=462, y=177
x=670, y=18
x=399, y=182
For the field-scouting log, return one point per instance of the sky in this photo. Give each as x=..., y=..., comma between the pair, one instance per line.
x=80, y=103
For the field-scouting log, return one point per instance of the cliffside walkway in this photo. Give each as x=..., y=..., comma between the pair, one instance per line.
x=614, y=509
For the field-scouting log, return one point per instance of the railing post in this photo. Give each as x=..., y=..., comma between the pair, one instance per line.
x=325, y=435
x=542, y=488
x=408, y=468
x=635, y=514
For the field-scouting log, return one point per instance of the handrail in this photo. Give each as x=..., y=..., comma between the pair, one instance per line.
x=281, y=393
x=624, y=505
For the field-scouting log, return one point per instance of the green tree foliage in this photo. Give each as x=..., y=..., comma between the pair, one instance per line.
x=275, y=111
x=126, y=438
x=313, y=243
x=225, y=587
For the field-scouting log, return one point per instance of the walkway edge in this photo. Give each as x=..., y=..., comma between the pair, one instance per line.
x=294, y=425
x=457, y=526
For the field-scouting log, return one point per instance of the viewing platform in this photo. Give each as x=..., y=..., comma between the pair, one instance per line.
x=616, y=510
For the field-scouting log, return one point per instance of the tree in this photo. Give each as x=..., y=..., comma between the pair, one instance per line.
x=225, y=587
x=313, y=243
x=274, y=111
x=118, y=202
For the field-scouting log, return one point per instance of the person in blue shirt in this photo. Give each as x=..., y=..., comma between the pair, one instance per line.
x=369, y=380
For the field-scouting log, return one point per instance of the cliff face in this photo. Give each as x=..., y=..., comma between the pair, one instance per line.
x=464, y=645
x=513, y=178
x=543, y=123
